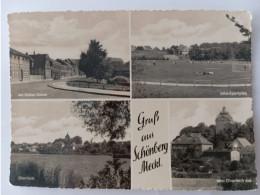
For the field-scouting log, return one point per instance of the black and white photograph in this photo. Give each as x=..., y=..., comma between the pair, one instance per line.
x=191, y=54
x=69, y=55
x=80, y=144
x=212, y=144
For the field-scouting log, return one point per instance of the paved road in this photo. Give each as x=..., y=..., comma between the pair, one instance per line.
x=40, y=90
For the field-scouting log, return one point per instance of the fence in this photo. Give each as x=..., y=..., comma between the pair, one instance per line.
x=85, y=84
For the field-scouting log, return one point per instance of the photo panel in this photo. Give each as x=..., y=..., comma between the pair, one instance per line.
x=69, y=55
x=71, y=144
x=212, y=144
x=191, y=54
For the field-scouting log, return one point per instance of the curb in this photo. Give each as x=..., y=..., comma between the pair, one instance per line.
x=97, y=91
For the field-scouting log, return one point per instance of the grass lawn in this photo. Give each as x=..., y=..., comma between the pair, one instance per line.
x=185, y=72
x=151, y=91
x=194, y=184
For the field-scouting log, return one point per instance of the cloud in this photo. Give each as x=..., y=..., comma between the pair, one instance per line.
x=22, y=121
x=67, y=34
x=174, y=28
x=166, y=32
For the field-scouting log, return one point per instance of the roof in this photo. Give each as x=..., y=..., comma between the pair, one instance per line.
x=18, y=53
x=224, y=115
x=243, y=141
x=147, y=47
x=191, y=139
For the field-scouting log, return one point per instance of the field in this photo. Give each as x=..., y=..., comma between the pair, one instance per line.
x=187, y=83
x=83, y=165
x=148, y=54
x=194, y=184
x=185, y=72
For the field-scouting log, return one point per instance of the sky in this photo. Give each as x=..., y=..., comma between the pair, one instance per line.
x=167, y=28
x=66, y=34
x=190, y=112
x=45, y=121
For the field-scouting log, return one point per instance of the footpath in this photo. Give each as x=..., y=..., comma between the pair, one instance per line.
x=64, y=86
x=192, y=84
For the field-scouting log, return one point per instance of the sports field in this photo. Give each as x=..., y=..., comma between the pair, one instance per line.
x=185, y=72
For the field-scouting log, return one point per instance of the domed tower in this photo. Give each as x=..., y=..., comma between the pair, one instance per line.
x=222, y=120
x=67, y=138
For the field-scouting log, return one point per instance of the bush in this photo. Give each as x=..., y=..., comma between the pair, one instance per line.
x=111, y=177
x=235, y=165
x=74, y=181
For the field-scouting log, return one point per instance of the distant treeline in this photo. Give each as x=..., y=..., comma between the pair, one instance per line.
x=221, y=51
x=205, y=51
x=118, y=149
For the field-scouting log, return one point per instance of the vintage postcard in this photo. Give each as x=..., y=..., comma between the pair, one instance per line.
x=151, y=100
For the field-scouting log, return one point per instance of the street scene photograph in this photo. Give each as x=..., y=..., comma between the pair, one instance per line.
x=212, y=144
x=81, y=144
x=69, y=55
x=191, y=54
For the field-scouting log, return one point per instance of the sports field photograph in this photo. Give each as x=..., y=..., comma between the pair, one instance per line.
x=191, y=54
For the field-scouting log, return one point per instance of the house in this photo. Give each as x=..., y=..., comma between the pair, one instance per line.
x=69, y=67
x=240, y=144
x=119, y=67
x=133, y=48
x=19, y=66
x=183, y=50
x=192, y=140
x=147, y=47
x=222, y=120
x=75, y=62
x=41, y=67
x=156, y=49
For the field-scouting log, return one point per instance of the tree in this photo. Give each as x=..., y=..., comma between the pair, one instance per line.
x=105, y=118
x=112, y=176
x=140, y=48
x=92, y=62
x=76, y=140
x=244, y=31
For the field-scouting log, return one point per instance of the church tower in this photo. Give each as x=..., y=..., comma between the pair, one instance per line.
x=222, y=120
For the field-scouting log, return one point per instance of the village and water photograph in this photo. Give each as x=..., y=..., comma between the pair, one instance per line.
x=191, y=54
x=212, y=144
x=69, y=55
x=71, y=144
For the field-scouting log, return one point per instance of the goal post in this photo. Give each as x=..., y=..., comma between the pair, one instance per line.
x=241, y=67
